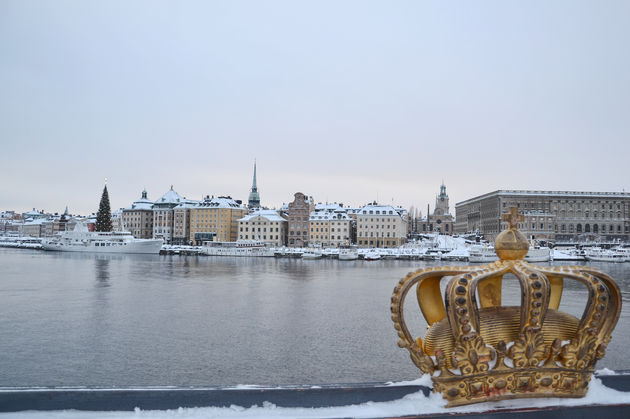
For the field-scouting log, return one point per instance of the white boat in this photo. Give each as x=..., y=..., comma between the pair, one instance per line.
x=243, y=248
x=348, y=253
x=538, y=254
x=372, y=255
x=568, y=254
x=597, y=254
x=482, y=254
x=312, y=255
x=82, y=240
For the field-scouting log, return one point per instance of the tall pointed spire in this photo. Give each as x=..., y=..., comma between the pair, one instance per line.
x=254, y=197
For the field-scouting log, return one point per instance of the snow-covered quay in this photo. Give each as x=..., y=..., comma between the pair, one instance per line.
x=275, y=402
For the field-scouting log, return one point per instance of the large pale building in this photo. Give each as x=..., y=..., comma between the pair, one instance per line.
x=137, y=218
x=215, y=219
x=330, y=226
x=163, y=217
x=551, y=215
x=381, y=226
x=267, y=226
x=298, y=216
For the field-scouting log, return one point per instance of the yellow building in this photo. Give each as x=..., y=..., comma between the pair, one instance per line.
x=215, y=219
x=330, y=225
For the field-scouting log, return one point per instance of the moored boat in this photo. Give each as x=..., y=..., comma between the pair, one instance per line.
x=538, y=254
x=372, y=255
x=82, y=240
x=348, y=253
x=482, y=254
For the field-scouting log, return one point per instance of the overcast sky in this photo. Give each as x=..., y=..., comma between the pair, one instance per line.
x=347, y=101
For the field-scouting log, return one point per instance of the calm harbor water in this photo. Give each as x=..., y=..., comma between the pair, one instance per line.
x=148, y=320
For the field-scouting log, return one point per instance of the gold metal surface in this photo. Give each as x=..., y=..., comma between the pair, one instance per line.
x=477, y=354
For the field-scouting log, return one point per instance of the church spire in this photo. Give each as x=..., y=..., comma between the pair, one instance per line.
x=254, y=196
x=254, y=187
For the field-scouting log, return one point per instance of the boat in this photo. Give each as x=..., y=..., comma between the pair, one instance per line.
x=242, y=248
x=82, y=240
x=538, y=254
x=348, y=253
x=312, y=255
x=568, y=254
x=372, y=255
x=482, y=254
x=597, y=254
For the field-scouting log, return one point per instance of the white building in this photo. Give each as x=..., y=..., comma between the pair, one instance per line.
x=163, y=216
x=381, y=226
x=267, y=226
x=330, y=226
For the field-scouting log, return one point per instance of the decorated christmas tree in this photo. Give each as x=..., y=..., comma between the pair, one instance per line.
x=104, y=215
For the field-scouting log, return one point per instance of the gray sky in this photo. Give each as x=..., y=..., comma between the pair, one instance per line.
x=343, y=100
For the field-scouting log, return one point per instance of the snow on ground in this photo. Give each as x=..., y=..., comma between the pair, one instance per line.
x=411, y=404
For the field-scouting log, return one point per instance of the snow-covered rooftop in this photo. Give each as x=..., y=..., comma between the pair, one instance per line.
x=170, y=197
x=187, y=203
x=270, y=215
x=220, y=202
x=376, y=209
x=329, y=215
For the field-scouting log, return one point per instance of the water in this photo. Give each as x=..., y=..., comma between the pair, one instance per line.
x=148, y=320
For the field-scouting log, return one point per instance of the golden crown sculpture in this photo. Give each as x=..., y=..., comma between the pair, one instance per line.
x=494, y=352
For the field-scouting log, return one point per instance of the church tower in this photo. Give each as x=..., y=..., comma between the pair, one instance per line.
x=254, y=197
x=441, y=201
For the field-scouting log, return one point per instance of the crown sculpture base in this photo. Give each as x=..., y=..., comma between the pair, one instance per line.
x=492, y=352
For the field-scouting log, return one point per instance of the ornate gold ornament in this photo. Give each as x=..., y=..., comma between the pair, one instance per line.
x=484, y=352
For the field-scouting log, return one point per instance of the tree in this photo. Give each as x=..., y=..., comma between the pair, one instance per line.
x=104, y=215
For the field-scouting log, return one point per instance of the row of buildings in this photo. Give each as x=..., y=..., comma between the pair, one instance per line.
x=549, y=215
x=300, y=223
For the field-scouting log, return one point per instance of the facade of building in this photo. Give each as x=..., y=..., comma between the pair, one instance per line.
x=138, y=217
x=330, y=226
x=381, y=226
x=253, y=201
x=441, y=221
x=34, y=228
x=181, y=222
x=215, y=219
x=298, y=216
x=267, y=226
x=552, y=215
x=163, y=218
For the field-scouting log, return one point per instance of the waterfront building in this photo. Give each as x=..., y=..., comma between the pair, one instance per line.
x=381, y=226
x=163, y=215
x=550, y=215
x=181, y=222
x=267, y=226
x=215, y=219
x=138, y=218
x=440, y=221
x=34, y=227
x=298, y=216
x=254, y=197
x=330, y=226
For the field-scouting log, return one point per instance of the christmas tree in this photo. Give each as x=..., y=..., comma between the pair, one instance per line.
x=104, y=216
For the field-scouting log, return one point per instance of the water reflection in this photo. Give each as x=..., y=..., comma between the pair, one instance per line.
x=101, y=266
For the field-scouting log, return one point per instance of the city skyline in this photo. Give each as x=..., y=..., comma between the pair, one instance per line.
x=347, y=102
